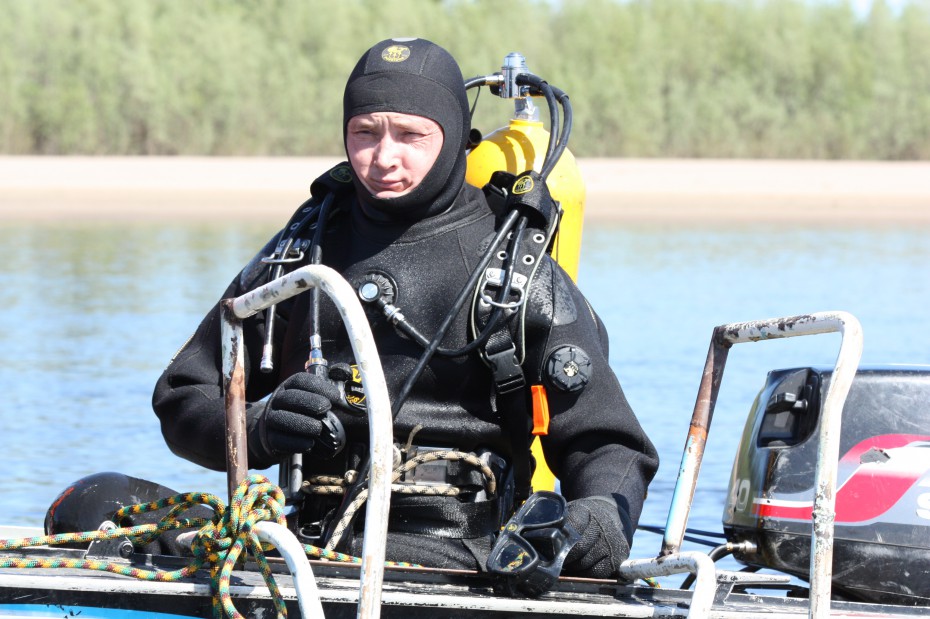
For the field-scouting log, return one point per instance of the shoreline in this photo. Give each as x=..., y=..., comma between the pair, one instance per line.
x=168, y=189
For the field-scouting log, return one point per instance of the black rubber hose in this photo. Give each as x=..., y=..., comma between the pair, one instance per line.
x=534, y=81
x=453, y=312
x=717, y=553
x=493, y=319
x=480, y=80
x=316, y=257
x=565, y=131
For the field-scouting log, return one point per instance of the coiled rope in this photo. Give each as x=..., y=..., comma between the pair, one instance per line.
x=219, y=545
x=339, y=485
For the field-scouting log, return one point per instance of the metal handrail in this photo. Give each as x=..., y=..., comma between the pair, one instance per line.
x=824, y=510
x=697, y=563
x=380, y=427
x=292, y=551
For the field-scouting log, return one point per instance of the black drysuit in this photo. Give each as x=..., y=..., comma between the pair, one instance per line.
x=595, y=445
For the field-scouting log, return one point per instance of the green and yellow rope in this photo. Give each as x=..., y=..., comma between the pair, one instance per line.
x=219, y=545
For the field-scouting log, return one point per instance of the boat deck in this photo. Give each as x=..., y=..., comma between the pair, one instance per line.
x=407, y=592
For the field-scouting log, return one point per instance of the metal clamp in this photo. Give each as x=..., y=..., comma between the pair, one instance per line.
x=296, y=253
x=495, y=277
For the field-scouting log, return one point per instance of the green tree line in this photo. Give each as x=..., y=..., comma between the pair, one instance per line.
x=647, y=78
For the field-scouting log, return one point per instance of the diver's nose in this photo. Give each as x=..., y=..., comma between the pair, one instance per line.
x=385, y=155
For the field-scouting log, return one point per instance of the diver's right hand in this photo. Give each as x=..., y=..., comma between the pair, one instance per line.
x=298, y=419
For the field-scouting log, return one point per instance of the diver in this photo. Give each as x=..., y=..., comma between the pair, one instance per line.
x=401, y=225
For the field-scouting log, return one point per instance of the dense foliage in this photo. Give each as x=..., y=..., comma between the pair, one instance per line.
x=649, y=78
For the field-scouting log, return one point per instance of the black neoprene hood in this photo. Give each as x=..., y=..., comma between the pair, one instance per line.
x=414, y=76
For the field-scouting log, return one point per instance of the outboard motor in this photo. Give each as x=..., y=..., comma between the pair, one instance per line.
x=882, y=527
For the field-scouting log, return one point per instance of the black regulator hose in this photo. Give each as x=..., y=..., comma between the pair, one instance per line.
x=558, y=136
x=317, y=363
x=479, y=80
x=452, y=313
x=564, y=134
x=542, y=87
x=493, y=319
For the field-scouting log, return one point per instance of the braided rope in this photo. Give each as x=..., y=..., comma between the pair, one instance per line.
x=346, y=519
x=453, y=456
x=220, y=544
x=428, y=490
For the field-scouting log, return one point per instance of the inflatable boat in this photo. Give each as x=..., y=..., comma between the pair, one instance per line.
x=828, y=507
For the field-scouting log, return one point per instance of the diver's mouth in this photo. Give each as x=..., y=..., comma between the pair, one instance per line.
x=379, y=186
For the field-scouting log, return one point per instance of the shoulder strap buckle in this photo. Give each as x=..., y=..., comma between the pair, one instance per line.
x=506, y=371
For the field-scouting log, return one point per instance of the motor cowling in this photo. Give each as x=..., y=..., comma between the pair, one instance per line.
x=882, y=526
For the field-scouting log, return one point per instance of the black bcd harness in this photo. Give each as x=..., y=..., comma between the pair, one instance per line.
x=500, y=305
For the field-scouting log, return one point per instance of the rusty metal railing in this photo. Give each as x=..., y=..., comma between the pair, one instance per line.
x=379, y=406
x=697, y=563
x=824, y=512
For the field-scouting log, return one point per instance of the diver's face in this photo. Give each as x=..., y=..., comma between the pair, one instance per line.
x=391, y=152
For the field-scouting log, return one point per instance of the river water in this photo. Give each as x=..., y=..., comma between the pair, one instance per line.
x=93, y=314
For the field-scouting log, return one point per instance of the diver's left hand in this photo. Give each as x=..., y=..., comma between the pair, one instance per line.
x=603, y=545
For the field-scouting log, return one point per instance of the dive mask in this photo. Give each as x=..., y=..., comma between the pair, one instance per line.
x=533, y=545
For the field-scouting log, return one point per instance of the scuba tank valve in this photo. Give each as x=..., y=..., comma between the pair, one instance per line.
x=522, y=145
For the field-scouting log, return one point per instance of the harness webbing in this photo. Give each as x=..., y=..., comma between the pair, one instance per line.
x=504, y=351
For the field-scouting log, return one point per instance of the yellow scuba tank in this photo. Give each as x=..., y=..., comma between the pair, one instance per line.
x=516, y=148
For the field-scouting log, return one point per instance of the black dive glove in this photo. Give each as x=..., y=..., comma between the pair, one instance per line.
x=298, y=418
x=603, y=546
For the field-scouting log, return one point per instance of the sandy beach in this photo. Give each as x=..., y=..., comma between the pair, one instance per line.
x=620, y=190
